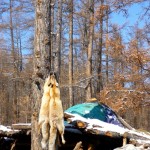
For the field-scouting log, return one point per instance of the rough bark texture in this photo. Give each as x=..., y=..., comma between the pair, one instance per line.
x=12, y=37
x=57, y=56
x=99, y=52
x=53, y=33
x=107, y=58
x=42, y=63
x=89, y=51
x=15, y=69
x=71, y=53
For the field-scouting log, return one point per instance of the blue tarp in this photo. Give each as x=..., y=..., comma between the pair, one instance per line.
x=95, y=111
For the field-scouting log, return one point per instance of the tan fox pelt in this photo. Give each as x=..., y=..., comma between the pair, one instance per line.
x=55, y=113
x=43, y=123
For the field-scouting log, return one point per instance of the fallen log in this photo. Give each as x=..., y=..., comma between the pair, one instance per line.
x=104, y=133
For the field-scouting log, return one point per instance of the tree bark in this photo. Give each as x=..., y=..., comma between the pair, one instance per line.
x=12, y=37
x=107, y=58
x=42, y=63
x=53, y=34
x=89, y=51
x=15, y=69
x=57, y=58
x=99, y=53
x=71, y=53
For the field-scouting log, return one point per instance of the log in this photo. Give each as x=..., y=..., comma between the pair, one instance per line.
x=81, y=124
x=99, y=130
x=131, y=135
x=104, y=133
x=78, y=123
x=124, y=123
x=66, y=116
x=21, y=126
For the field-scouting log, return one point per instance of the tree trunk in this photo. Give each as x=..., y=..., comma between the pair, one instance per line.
x=20, y=52
x=42, y=63
x=12, y=37
x=89, y=51
x=57, y=58
x=99, y=53
x=53, y=34
x=107, y=58
x=14, y=61
x=71, y=53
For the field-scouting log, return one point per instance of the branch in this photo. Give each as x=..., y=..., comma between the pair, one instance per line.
x=78, y=146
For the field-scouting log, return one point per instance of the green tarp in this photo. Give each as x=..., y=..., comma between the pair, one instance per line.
x=95, y=111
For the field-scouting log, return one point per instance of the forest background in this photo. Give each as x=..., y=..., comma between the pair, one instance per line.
x=99, y=48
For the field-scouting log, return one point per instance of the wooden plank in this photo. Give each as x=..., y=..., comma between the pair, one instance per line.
x=21, y=126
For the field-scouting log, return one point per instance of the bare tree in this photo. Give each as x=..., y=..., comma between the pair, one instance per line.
x=89, y=50
x=15, y=73
x=100, y=47
x=57, y=52
x=106, y=45
x=71, y=53
x=111, y=62
x=42, y=56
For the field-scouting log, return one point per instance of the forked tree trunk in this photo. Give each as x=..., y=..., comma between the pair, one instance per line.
x=42, y=63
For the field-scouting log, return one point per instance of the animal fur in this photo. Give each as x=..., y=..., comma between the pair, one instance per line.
x=43, y=123
x=55, y=114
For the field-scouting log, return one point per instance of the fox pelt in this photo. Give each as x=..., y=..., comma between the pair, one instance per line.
x=55, y=113
x=43, y=123
x=51, y=113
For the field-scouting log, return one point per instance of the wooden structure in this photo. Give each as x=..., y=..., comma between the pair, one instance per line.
x=77, y=136
x=97, y=136
x=81, y=133
x=16, y=137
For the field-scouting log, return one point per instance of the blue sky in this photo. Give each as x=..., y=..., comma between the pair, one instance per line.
x=133, y=15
